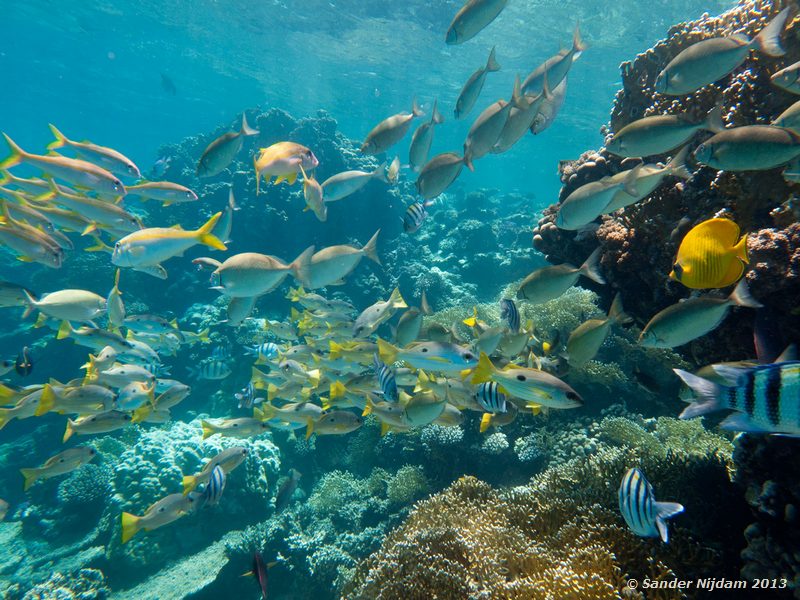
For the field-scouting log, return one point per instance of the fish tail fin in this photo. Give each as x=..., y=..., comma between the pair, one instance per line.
x=578, y=45
x=246, y=129
x=714, y=122
x=664, y=511
x=31, y=476
x=267, y=410
x=517, y=98
x=415, y=109
x=4, y=418
x=468, y=161
x=69, y=431
x=301, y=269
x=208, y=431
x=380, y=173
x=60, y=141
x=130, y=526
x=367, y=407
x=258, y=174
x=31, y=301
x=617, y=313
x=741, y=249
x=387, y=352
x=473, y=320
x=140, y=414
x=189, y=482
x=370, y=248
x=64, y=331
x=436, y=117
x=708, y=395
x=484, y=370
x=396, y=300
x=232, y=200
x=491, y=63
x=769, y=39
x=17, y=154
x=99, y=246
x=309, y=428
x=741, y=296
x=295, y=294
x=677, y=164
x=591, y=268
x=204, y=235
x=47, y=401
x=337, y=390
x=5, y=177
x=486, y=422
x=335, y=350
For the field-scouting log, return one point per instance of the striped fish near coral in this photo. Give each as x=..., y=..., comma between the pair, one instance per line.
x=645, y=516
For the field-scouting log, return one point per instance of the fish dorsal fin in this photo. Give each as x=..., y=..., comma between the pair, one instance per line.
x=790, y=353
x=730, y=374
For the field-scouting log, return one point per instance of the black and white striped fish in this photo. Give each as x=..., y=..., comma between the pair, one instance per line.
x=766, y=398
x=222, y=351
x=415, y=215
x=215, y=486
x=386, y=380
x=157, y=369
x=509, y=312
x=247, y=396
x=265, y=350
x=211, y=370
x=644, y=515
x=491, y=398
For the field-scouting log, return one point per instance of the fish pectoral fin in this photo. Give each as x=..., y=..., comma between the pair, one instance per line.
x=741, y=422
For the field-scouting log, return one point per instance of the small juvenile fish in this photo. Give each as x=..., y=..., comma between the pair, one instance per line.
x=165, y=511
x=283, y=161
x=644, y=515
x=386, y=381
x=106, y=158
x=472, y=88
x=693, y=318
x=415, y=215
x=221, y=152
x=245, y=427
x=710, y=60
x=210, y=370
x=549, y=283
x=343, y=184
x=60, y=464
x=287, y=489
x=24, y=363
x=373, y=316
x=422, y=139
x=247, y=396
x=490, y=398
x=228, y=459
x=472, y=18
x=510, y=313
x=164, y=191
x=438, y=174
x=390, y=131
x=214, y=488
x=711, y=255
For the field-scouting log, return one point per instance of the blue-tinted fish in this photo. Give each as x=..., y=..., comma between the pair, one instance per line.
x=766, y=398
x=157, y=369
x=247, y=396
x=491, y=398
x=211, y=370
x=266, y=350
x=386, y=380
x=644, y=515
x=415, y=215
x=221, y=351
x=509, y=312
x=214, y=488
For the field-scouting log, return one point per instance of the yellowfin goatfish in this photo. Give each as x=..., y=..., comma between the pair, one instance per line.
x=556, y=67
x=283, y=161
x=165, y=192
x=710, y=60
x=549, y=283
x=661, y=133
x=749, y=148
x=101, y=156
x=390, y=131
x=331, y=265
x=527, y=384
x=472, y=18
x=433, y=356
x=438, y=174
x=251, y=274
x=343, y=184
x=711, y=255
x=422, y=139
x=60, y=464
x=693, y=318
x=245, y=427
x=372, y=317
x=228, y=459
x=152, y=246
x=221, y=152
x=163, y=512
x=68, y=305
x=79, y=173
x=472, y=88
x=585, y=341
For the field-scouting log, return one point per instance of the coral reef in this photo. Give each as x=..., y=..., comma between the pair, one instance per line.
x=85, y=584
x=639, y=243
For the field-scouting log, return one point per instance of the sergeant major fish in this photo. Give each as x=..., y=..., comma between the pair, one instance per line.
x=644, y=515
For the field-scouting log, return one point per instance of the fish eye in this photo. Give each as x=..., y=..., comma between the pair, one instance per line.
x=468, y=356
x=61, y=460
x=189, y=195
x=235, y=424
x=161, y=509
x=117, y=185
x=572, y=396
x=521, y=378
x=116, y=246
x=424, y=349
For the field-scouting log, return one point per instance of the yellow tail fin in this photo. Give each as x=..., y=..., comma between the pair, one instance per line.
x=208, y=431
x=47, y=401
x=309, y=428
x=189, y=483
x=130, y=526
x=4, y=418
x=484, y=371
x=396, y=299
x=204, y=235
x=61, y=139
x=335, y=350
x=486, y=421
x=140, y=414
x=17, y=154
x=387, y=352
x=31, y=476
x=337, y=390
x=68, y=431
x=64, y=330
